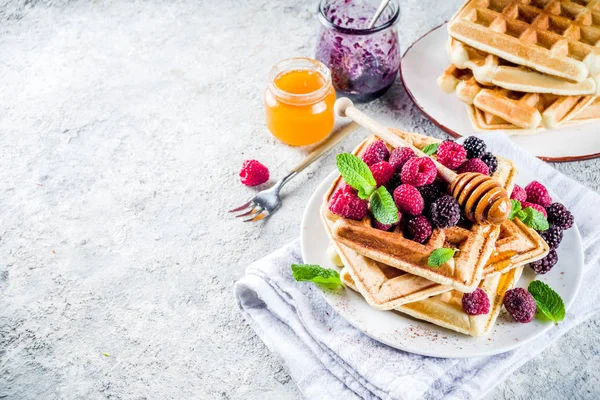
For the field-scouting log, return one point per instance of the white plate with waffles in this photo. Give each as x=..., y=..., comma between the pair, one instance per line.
x=427, y=58
x=416, y=336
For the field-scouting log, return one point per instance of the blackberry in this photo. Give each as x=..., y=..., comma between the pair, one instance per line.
x=430, y=193
x=419, y=229
x=545, y=264
x=491, y=161
x=520, y=304
x=445, y=212
x=394, y=182
x=559, y=215
x=474, y=146
x=553, y=236
x=476, y=303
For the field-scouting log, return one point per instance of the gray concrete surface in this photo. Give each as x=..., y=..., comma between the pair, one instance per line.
x=122, y=128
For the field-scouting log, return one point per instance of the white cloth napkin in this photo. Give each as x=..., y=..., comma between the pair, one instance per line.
x=329, y=359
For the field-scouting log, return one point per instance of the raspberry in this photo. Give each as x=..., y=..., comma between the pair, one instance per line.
x=409, y=200
x=518, y=193
x=491, y=161
x=386, y=227
x=253, y=173
x=520, y=304
x=474, y=146
x=474, y=165
x=430, y=193
x=537, y=207
x=419, y=229
x=419, y=171
x=382, y=172
x=451, y=154
x=545, y=264
x=375, y=153
x=347, y=204
x=445, y=212
x=399, y=156
x=538, y=194
x=553, y=236
x=476, y=303
x=559, y=215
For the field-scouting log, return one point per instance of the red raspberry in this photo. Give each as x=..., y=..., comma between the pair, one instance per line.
x=386, y=227
x=476, y=303
x=538, y=194
x=419, y=229
x=520, y=304
x=347, y=204
x=451, y=154
x=399, y=156
x=518, y=193
x=409, y=200
x=253, y=173
x=536, y=207
x=474, y=165
x=419, y=171
x=375, y=153
x=382, y=172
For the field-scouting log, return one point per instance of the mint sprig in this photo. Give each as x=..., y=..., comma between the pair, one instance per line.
x=356, y=173
x=383, y=206
x=325, y=277
x=431, y=148
x=514, y=211
x=548, y=301
x=529, y=216
x=440, y=256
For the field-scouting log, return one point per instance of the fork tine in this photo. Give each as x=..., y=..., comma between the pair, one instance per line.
x=242, y=207
x=257, y=217
x=255, y=209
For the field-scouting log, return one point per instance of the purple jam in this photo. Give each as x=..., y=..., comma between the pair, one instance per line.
x=363, y=62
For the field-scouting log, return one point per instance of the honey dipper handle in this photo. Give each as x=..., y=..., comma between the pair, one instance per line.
x=345, y=108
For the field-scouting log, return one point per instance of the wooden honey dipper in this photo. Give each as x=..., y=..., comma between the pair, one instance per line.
x=483, y=199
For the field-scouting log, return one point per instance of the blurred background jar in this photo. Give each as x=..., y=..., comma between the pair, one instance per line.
x=364, y=62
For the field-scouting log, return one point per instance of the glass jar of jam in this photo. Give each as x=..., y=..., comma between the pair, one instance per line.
x=364, y=62
x=299, y=101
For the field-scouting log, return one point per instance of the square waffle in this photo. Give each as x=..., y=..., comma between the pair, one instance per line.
x=490, y=70
x=484, y=121
x=463, y=272
x=526, y=110
x=446, y=309
x=555, y=37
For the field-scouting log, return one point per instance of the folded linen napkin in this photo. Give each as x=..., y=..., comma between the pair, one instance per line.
x=328, y=358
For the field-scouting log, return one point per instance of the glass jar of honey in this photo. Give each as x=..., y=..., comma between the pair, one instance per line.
x=299, y=101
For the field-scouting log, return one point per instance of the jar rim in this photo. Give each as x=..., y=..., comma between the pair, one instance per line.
x=295, y=64
x=355, y=31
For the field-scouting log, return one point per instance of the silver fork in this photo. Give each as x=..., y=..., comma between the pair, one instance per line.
x=266, y=202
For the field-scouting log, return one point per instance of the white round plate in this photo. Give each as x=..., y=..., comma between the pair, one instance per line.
x=406, y=333
x=426, y=59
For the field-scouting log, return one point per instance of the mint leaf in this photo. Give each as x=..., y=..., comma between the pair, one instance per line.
x=383, y=206
x=431, y=148
x=548, y=301
x=314, y=273
x=516, y=207
x=440, y=256
x=356, y=173
x=533, y=219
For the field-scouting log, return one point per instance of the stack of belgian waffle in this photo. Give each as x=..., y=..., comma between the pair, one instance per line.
x=390, y=268
x=525, y=65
